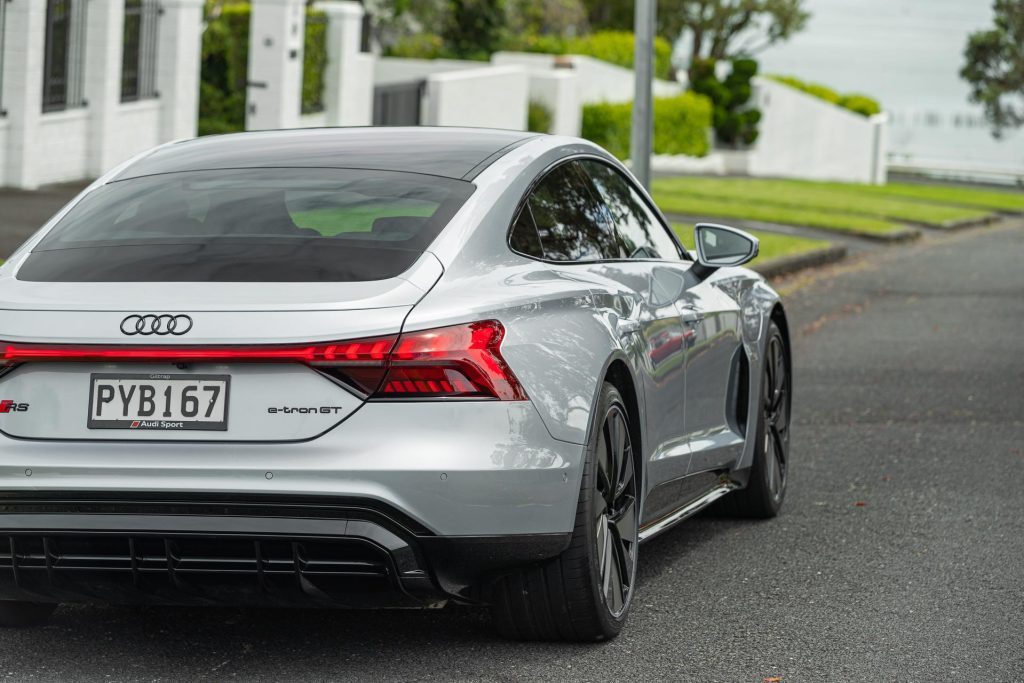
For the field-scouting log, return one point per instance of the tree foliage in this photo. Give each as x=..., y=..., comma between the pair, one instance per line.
x=719, y=29
x=473, y=29
x=995, y=67
x=735, y=121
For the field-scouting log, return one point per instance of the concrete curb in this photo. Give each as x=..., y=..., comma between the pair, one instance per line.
x=971, y=222
x=785, y=265
x=901, y=235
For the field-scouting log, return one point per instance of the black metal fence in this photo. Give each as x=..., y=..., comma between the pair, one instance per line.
x=138, y=58
x=398, y=104
x=64, y=55
x=3, y=32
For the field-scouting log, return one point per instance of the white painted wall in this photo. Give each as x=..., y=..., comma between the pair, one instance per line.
x=389, y=70
x=558, y=91
x=491, y=96
x=38, y=149
x=4, y=131
x=277, y=30
x=61, y=146
x=806, y=137
x=348, y=79
x=598, y=81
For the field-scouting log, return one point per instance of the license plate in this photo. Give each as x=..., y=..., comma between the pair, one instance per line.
x=159, y=402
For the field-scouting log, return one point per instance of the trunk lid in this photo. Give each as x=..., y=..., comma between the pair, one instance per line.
x=263, y=401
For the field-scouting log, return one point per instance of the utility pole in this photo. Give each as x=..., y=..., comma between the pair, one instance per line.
x=643, y=70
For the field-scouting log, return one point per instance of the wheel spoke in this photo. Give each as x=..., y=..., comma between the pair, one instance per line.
x=615, y=510
x=605, y=466
x=625, y=521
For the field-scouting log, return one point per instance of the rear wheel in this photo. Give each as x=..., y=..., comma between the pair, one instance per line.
x=584, y=594
x=763, y=496
x=15, y=614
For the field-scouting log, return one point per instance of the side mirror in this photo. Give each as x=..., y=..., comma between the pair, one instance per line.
x=719, y=246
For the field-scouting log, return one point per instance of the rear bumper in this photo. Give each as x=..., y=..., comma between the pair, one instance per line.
x=473, y=468
x=226, y=550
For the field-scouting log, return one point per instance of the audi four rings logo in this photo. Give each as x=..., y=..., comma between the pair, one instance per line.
x=161, y=325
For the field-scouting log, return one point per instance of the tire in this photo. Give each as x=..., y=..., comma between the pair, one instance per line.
x=23, y=614
x=574, y=597
x=766, y=490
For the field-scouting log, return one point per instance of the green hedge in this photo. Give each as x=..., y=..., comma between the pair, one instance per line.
x=615, y=47
x=538, y=119
x=225, y=57
x=681, y=125
x=855, y=102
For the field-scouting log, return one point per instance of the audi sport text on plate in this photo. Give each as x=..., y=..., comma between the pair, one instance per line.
x=160, y=402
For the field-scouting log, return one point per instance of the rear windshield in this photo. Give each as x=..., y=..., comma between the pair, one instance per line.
x=253, y=225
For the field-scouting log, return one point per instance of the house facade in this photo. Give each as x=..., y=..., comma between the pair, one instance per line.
x=86, y=84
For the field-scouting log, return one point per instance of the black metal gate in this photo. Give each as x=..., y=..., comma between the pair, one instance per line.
x=398, y=104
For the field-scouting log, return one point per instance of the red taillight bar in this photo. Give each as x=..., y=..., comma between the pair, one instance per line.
x=335, y=352
x=462, y=361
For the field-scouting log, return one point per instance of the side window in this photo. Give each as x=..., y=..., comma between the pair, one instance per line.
x=570, y=221
x=641, y=233
x=524, y=238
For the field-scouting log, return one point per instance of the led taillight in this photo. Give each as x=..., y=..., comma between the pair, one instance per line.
x=462, y=361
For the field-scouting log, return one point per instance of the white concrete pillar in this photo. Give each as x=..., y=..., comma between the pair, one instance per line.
x=557, y=90
x=277, y=30
x=880, y=148
x=179, y=50
x=23, y=90
x=104, y=37
x=348, y=83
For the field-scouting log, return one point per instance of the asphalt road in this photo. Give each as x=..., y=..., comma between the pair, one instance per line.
x=899, y=555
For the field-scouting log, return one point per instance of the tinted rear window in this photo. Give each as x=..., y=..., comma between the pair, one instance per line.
x=259, y=225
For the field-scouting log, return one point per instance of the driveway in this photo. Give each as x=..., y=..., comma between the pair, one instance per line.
x=899, y=555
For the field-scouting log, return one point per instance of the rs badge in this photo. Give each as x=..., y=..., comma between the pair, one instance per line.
x=7, y=406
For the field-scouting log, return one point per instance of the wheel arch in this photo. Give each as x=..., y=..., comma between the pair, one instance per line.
x=621, y=377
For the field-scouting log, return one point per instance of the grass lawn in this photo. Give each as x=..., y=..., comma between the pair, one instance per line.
x=875, y=209
x=997, y=200
x=691, y=205
x=819, y=196
x=772, y=245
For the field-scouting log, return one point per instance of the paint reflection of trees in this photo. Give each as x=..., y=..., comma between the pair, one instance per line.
x=571, y=222
x=639, y=232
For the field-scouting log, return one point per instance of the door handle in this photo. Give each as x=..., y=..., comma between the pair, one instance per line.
x=624, y=327
x=691, y=315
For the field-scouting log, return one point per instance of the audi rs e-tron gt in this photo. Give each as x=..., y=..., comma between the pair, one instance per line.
x=376, y=368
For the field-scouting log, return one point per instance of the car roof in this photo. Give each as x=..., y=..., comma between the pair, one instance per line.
x=450, y=152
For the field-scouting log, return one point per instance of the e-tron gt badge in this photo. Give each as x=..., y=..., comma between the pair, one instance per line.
x=161, y=325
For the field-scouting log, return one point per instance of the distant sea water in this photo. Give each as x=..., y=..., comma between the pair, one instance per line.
x=907, y=54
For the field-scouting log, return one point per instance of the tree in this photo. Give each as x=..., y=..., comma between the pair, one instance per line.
x=995, y=67
x=720, y=29
x=473, y=28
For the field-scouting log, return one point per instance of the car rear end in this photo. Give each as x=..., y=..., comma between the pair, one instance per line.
x=208, y=395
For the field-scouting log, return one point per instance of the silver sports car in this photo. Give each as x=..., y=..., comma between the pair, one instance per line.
x=376, y=368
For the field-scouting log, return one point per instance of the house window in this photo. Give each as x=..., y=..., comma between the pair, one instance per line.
x=138, y=59
x=64, y=55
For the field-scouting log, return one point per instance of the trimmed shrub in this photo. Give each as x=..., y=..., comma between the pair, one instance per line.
x=860, y=104
x=615, y=47
x=855, y=102
x=225, y=64
x=538, y=118
x=681, y=125
x=419, y=46
x=734, y=120
x=314, y=62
